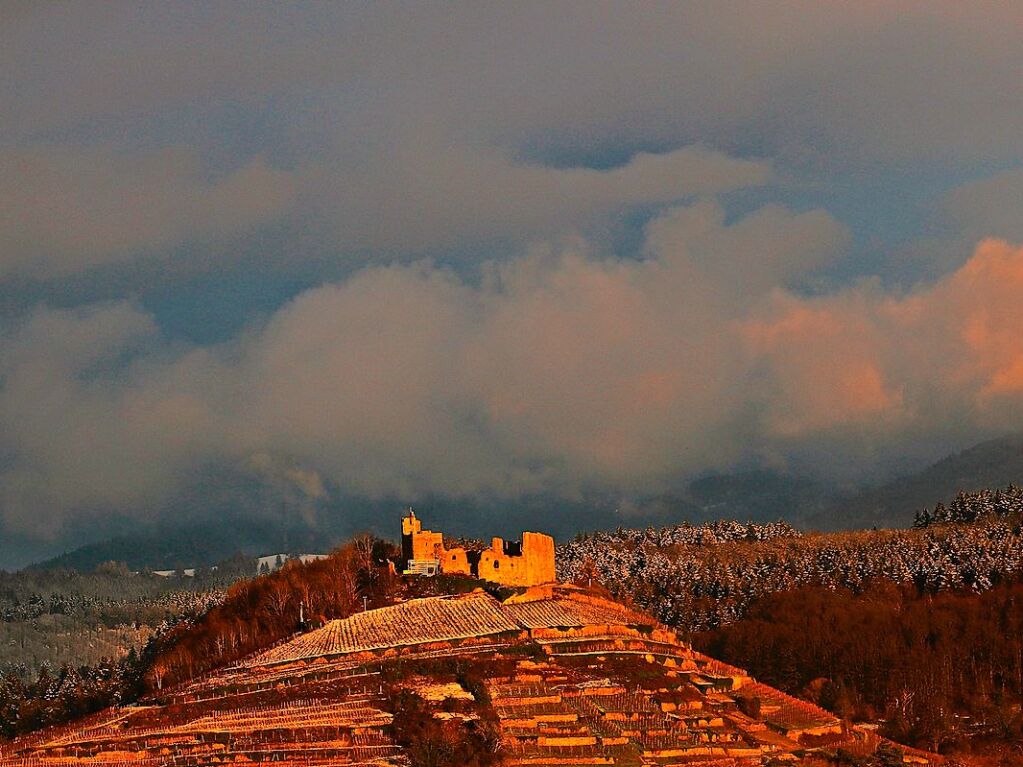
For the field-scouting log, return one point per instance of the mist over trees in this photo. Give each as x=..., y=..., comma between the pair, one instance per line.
x=53, y=617
x=73, y=642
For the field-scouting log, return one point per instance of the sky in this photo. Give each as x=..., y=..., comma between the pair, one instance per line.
x=499, y=250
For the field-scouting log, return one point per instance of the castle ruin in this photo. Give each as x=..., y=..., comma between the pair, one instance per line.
x=529, y=562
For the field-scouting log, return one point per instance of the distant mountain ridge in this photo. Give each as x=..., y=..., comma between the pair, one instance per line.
x=992, y=464
x=754, y=495
x=188, y=546
x=767, y=496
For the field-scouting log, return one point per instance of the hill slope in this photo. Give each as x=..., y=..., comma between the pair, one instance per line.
x=555, y=675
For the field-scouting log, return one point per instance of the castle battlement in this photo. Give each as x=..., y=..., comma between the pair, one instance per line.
x=529, y=562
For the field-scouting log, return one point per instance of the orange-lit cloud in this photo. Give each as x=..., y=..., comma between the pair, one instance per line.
x=557, y=372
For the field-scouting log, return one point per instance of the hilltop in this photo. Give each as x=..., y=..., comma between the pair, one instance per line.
x=357, y=659
x=942, y=595
x=555, y=674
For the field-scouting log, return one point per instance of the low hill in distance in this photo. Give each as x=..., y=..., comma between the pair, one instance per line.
x=196, y=545
x=55, y=618
x=197, y=541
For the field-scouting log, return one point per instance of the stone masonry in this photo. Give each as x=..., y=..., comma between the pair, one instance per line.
x=529, y=562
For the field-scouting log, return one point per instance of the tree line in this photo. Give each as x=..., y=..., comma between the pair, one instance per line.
x=258, y=612
x=700, y=586
x=919, y=630
x=968, y=508
x=939, y=671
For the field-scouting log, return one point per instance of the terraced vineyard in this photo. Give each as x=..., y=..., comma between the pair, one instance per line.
x=416, y=621
x=569, y=678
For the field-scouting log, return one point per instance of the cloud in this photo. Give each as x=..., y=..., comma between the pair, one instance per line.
x=807, y=80
x=992, y=206
x=612, y=313
x=559, y=372
x=370, y=134
x=59, y=425
x=65, y=209
x=415, y=197
x=888, y=373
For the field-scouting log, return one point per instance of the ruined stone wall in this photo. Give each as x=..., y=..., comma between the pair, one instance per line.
x=535, y=565
x=538, y=550
x=529, y=563
x=455, y=562
x=410, y=527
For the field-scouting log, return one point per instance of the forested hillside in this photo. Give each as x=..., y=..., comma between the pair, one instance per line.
x=72, y=642
x=49, y=618
x=697, y=578
x=941, y=671
x=920, y=631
